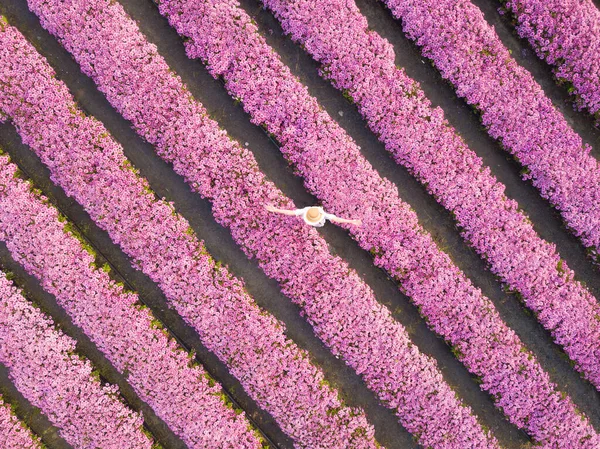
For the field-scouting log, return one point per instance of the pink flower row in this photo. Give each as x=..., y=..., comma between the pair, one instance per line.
x=566, y=34
x=421, y=139
x=90, y=166
x=14, y=434
x=341, y=308
x=336, y=173
x=155, y=367
x=513, y=108
x=459, y=40
x=44, y=367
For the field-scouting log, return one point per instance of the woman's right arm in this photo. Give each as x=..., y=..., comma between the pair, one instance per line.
x=332, y=217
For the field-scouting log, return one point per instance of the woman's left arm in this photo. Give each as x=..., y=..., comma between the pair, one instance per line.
x=280, y=211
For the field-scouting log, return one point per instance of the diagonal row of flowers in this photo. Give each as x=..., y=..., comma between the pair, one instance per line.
x=159, y=371
x=90, y=166
x=513, y=107
x=420, y=138
x=491, y=222
x=44, y=367
x=566, y=34
x=14, y=434
x=254, y=74
x=343, y=309
x=468, y=52
x=226, y=173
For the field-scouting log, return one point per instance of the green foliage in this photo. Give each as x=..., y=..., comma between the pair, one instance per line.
x=457, y=352
x=74, y=231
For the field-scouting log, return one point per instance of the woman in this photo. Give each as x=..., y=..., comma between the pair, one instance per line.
x=313, y=215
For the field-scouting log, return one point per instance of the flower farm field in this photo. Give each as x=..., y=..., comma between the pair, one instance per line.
x=148, y=300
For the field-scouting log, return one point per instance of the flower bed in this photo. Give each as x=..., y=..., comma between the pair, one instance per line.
x=44, y=367
x=471, y=56
x=341, y=178
x=513, y=108
x=341, y=308
x=430, y=148
x=13, y=433
x=566, y=34
x=158, y=370
x=90, y=166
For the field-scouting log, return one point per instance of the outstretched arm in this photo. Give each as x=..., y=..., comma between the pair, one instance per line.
x=279, y=211
x=332, y=217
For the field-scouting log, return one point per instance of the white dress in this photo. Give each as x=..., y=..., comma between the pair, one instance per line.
x=321, y=222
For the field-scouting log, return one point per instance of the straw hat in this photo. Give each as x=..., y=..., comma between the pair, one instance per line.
x=314, y=214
